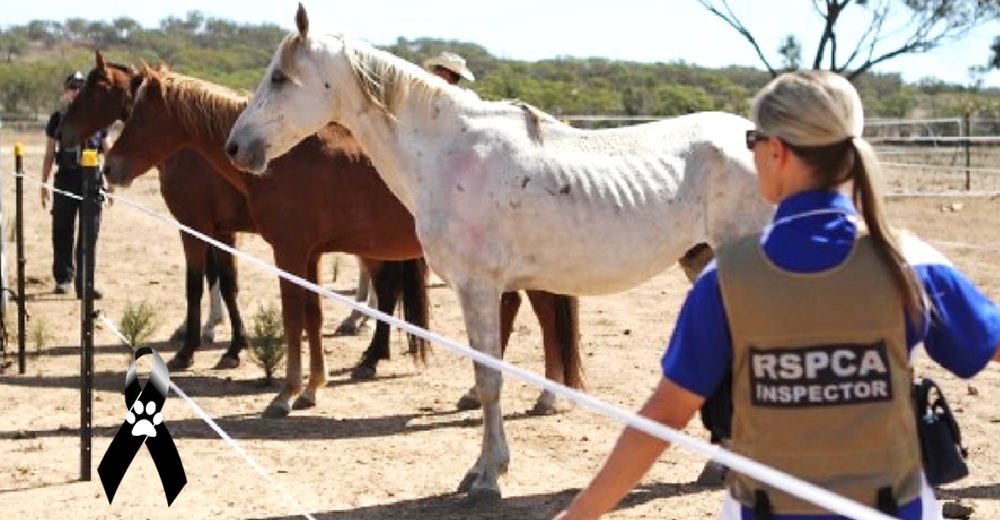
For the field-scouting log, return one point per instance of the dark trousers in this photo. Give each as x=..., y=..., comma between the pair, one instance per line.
x=64, y=218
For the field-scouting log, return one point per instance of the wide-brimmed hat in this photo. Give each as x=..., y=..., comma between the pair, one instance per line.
x=452, y=62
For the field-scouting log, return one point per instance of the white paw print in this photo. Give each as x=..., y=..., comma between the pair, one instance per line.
x=143, y=426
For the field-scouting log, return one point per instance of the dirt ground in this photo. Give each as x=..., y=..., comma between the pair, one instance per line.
x=394, y=447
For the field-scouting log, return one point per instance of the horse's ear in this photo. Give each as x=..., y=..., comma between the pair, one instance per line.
x=302, y=21
x=99, y=60
x=154, y=87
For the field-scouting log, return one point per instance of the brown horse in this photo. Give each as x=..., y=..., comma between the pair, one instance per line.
x=194, y=197
x=349, y=211
x=200, y=200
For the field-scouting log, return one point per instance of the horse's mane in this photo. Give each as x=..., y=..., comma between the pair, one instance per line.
x=207, y=110
x=94, y=73
x=203, y=109
x=385, y=80
x=120, y=66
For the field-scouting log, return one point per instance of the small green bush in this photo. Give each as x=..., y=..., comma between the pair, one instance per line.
x=139, y=322
x=267, y=348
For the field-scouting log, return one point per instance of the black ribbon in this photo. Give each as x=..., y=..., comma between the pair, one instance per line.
x=131, y=435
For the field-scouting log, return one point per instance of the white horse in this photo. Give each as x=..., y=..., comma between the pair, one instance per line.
x=506, y=197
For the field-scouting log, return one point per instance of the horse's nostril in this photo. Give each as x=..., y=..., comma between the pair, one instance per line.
x=232, y=149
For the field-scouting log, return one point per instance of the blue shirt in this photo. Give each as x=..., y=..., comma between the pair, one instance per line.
x=814, y=231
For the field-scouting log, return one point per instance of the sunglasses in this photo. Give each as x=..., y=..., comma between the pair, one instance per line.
x=754, y=137
x=74, y=86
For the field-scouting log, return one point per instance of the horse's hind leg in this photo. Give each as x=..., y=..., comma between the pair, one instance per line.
x=353, y=324
x=194, y=256
x=229, y=287
x=694, y=261
x=387, y=281
x=215, y=300
x=510, y=303
x=558, y=317
x=314, y=325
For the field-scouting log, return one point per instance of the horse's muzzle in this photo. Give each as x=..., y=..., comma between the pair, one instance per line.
x=247, y=155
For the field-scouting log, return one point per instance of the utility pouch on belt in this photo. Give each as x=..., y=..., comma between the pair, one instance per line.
x=69, y=158
x=940, y=439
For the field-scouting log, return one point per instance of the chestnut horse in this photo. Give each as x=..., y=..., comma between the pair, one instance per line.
x=202, y=201
x=195, y=198
x=350, y=211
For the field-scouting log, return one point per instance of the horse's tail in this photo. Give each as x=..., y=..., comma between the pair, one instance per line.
x=567, y=310
x=416, y=304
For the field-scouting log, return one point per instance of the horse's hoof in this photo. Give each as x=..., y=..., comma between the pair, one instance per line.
x=276, y=411
x=303, y=402
x=208, y=337
x=363, y=373
x=541, y=409
x=712, y=475
x=347, y=329
x=227, y=363
x=180, y=362
x=466, y=484
x=483, y=497
x=468, y=402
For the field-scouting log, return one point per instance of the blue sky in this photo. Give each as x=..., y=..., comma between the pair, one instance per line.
x=637, y=30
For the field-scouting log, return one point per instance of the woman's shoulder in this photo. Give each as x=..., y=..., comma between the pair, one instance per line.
x=917, y=252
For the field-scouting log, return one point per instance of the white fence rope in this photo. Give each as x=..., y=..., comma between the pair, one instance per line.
x=218, y=429
x=793, y=485
x=766, y=474
x=194, y=406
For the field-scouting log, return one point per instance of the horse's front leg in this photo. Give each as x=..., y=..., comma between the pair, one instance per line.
x=314, y=325
x=510, y=302
x=292, y=314
x=481, y=310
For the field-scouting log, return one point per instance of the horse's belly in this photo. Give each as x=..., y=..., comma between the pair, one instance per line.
x=591, y=266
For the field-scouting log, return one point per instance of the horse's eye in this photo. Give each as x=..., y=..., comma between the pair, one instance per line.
x=278, y=78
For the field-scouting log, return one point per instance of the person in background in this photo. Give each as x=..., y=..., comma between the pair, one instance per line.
x=817, y=318
x=69, y=178
x=450, y=67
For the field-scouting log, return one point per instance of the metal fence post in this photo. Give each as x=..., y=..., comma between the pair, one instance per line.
x=968, y=152
x=90, y=194
x=22, y=314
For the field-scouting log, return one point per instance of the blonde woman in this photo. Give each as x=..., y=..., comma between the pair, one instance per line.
x=816, y=317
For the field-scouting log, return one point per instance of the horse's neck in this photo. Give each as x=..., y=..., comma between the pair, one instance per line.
x=211, y=149
x=384, y=148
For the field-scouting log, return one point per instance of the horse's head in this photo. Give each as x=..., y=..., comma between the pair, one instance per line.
x=105, y=98
x=299, y=94
x=146, y=139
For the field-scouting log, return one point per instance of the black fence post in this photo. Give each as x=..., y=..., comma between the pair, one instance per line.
x=968, y=151
x=90, y=192
x=22, y=314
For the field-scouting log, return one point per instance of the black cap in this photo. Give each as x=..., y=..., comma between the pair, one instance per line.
x=75, y=76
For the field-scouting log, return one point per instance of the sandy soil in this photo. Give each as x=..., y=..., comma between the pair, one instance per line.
x=394, y=447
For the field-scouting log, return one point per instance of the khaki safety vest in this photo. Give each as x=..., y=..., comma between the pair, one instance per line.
x=821, y=381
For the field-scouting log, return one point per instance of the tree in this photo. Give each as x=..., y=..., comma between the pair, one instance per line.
x=895, y=27
x=791, y=52
x=125, y=27
x=13, y=43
